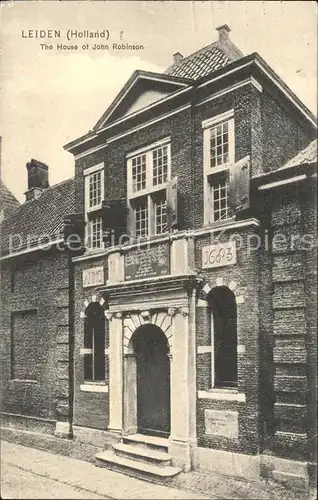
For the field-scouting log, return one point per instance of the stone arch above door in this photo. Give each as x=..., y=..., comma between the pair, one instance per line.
x=90, y=300
x=233, y=285
x=162, y=319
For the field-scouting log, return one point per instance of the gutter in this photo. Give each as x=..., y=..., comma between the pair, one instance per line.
x=43, y=246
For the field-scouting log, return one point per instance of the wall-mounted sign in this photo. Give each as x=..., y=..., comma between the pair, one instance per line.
x=222, y=254
x=221, y=423
x=93, y=276
x=147, y=262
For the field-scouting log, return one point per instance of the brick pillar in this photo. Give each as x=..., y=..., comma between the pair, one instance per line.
x=289, y=326
x=62, y=409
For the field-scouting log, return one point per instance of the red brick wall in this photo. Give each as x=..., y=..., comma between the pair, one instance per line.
x=40, y=285
x=245, y=274
x=283, y=136
x=90, y=408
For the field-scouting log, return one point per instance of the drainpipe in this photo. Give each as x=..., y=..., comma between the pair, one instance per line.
x=71, y=317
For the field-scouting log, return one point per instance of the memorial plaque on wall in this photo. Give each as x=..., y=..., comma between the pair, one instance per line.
x=221, y=423
x=147, y=262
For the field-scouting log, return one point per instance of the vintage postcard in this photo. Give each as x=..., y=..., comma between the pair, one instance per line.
x=158, y=249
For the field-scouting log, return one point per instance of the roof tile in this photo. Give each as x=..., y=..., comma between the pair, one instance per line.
x=205, y=61
x=39, y=218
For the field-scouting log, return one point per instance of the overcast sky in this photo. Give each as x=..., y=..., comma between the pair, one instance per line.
x=51, y=97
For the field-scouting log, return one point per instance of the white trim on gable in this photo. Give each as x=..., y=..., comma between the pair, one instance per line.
x=147, y=124
x=135, y=113
x=108, y=113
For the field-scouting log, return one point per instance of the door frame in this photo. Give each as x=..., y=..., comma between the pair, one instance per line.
x=130, y=414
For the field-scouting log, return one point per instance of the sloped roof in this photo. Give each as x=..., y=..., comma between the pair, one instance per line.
x=39, y=218
x=8, y=202
x=306, y=156
x=206, y=60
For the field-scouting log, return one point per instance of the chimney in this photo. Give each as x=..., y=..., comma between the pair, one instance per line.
x=177, y=58
x=224, y=32
x=38, y=174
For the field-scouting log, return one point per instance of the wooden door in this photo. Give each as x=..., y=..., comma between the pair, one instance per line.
x=153, y=382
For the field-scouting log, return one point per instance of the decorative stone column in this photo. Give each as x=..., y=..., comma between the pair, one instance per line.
x=182, y=376
x=130, y=390
x=115, y=373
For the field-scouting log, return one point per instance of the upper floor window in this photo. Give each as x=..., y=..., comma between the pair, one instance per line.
x=94, y=187
x=219, y=155
x=94, y=195
x=149, y=171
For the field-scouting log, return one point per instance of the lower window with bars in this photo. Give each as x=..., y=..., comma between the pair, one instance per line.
x=94, y=344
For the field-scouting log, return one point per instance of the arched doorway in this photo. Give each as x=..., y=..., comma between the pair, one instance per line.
x=153, y=380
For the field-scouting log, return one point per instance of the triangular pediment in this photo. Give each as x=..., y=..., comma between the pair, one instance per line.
x=142, y=90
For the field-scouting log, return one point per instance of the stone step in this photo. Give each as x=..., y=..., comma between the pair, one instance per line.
x=134, y=468
x=147, y=455
x=291, y=480
x=152, y=442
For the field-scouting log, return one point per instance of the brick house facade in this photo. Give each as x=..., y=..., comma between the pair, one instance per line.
x=187, y=315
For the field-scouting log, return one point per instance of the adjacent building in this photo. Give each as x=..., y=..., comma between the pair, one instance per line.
x=174, y=305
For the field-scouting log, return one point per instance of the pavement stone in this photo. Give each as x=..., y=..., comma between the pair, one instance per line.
x=85, y=476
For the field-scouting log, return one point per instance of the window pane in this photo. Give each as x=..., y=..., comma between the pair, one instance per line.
x=223, y=306
x=219, y=145
x=141, y=216
x=219, y=195
x=139, y=173
x=95, y=233
x=160, y=213
x=94, y=338
x=88, y=367
x=95, y=189
x=160, y=165
x=99, y=351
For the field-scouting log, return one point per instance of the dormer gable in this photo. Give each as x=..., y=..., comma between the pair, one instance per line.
x=142, y=90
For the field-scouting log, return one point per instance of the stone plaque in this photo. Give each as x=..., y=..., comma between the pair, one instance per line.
x=221, y=423
x=222, y=254
x=147, y=262
x=93, y=276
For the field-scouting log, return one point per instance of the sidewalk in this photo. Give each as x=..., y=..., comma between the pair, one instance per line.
x=82, y=475
x=84, y=480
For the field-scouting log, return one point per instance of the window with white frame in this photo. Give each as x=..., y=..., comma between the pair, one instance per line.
x=149, y=171
x=219, y=155
x=95, y=232
x=94, y=195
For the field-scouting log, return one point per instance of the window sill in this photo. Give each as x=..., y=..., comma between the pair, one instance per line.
x=24, y=381
x=222, y=394
x=93, y=209
x=93, y=387
x=232, y=223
